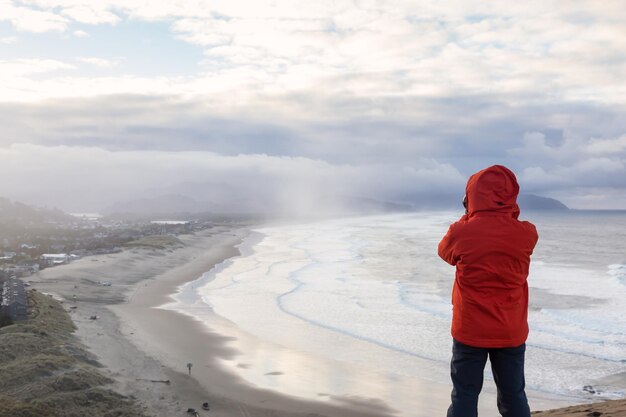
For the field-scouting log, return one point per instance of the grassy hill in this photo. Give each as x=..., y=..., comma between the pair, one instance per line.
x=44, y=371
x=19, y=215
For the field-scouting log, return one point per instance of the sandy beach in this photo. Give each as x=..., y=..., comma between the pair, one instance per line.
x=141, y=346
x=616, y=408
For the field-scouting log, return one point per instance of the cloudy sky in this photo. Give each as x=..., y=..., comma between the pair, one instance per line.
x=112, y=99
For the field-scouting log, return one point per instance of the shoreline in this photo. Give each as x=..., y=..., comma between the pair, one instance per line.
x=189, y=341
x=124, y=337
x=140, y=344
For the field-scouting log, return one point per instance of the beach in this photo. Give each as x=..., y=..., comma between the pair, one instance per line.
x=615, y=408
x=142, y=346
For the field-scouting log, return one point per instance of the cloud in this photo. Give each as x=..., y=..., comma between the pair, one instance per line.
x=98, y=62
x=576, y=170
x=384, y=93
x=535, y=146
x=27, y=19
x=81, y=34
x=536, y=177
x=98, y=177
x=594, y=198
x=385, y=48
x=7, y=40
x=339, y=131
x=23, y=67
x=90, y=14
x=607, y=146
x=255, y=150
x=18, y=76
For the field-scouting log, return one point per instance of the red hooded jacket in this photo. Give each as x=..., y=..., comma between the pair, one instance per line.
x=491, y=250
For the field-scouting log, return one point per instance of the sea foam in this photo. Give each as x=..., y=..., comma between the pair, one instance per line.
x=377, y=281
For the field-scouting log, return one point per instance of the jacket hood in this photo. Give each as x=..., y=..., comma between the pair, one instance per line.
x=493, y=189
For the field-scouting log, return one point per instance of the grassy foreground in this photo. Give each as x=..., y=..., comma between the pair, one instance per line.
x=44, y=371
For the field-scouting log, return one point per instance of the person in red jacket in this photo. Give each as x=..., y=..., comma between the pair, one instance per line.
x=491, y=250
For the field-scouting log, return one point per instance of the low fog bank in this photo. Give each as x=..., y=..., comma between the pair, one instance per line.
x=183, y=207
x=312, y=206
x=92, y=180
x=97, y=180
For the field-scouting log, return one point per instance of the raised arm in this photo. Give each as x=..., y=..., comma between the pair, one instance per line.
x=446, y=248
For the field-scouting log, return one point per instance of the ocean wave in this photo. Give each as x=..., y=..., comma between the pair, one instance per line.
x=381, y=283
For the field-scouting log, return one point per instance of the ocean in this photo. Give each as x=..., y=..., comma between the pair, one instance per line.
x=360, y=307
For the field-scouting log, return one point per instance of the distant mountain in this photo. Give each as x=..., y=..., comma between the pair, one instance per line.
x=535, y=202
x=15, y=214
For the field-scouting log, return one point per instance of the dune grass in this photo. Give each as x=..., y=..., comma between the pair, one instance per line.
x=44, y=371
x=155, y=242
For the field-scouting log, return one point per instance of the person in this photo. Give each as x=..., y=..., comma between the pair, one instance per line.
x=491, y=250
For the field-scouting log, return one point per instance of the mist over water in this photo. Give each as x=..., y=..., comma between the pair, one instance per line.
x=371, y=293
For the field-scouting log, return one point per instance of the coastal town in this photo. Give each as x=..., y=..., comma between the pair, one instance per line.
x=29, y=247
x=32, y=250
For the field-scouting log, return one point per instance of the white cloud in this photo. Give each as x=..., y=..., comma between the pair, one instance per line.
x=18, y=88
x=90, y=14
x=16, y=77
x=538, y=52
x=592, y=198
x=81, y=34
x=607, y=146
x=599, y=165
x=8, y=40
x=30, y=20
x=535, y=177
x=12, y=69
x=98, y=62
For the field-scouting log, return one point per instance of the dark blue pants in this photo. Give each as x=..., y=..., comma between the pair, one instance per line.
x=466, y=370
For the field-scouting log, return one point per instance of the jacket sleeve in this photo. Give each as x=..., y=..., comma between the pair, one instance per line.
x=534, y=236
x=446, y=249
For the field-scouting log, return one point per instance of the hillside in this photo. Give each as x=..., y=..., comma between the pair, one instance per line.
x=535, y=202
x=17, y=214
x=46, y=372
